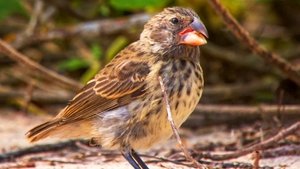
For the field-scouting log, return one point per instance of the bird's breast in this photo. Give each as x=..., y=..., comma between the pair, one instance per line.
x=183, y=81
x=144, y=123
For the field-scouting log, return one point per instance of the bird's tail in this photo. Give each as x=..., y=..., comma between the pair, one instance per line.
x=54, y=128
x=41, y=131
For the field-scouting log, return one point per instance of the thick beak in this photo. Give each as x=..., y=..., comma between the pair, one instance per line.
x=195, y=34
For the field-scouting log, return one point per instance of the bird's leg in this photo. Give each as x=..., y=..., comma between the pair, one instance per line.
x=133, y=158
x=128, y=156
x=138, y=159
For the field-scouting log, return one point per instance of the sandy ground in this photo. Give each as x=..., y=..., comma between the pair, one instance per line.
x=13, y=126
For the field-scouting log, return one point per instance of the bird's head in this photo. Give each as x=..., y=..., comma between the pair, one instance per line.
x=174, y=26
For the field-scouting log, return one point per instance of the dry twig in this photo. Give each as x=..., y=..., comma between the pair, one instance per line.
x=208, y=109
x=244, y=36
x=11, y=156
x=89, y=29
x=28, y=95
x=65, y=7
x=256, y=157
x=174, y=128
x=260, y=146
x=218, y=93
x=290, y=150
x=32, y=25
x=211, y=164
x=39, y=96
x=211, y=114
x=234, y=57
x=43, y=72
x=34, y=20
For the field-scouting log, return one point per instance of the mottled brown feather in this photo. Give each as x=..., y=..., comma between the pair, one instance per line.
x=113, y=87
x=125, y=78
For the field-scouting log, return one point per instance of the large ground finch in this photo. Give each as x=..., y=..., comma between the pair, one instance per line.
x=122, y=107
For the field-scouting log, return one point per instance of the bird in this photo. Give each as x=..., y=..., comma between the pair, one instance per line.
x=122, y=107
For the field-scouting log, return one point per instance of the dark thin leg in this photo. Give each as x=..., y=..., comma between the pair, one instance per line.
x=133, y=158
x=138, y=159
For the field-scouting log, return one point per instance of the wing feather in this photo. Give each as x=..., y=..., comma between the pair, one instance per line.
x=119, y=83
x=108, y=91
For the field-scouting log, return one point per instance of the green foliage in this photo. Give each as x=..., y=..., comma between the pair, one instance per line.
x=235, y=6
x=73, y=64
x=90, y=73
x=118, y=44
x=91, y=63
x=104, y=10
x=94, y=63
x=9, y=7
x=137, y=4
x=264, y=1
x=96, y=51
x=264, y=96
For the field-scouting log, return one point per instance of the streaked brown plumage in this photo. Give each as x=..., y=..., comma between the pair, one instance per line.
x=122, y=107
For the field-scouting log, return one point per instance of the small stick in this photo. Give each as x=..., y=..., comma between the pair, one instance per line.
x=33, y=24
x=246, y=110
x=44, y=72
x=256, y=157
x=87, y=29
x=11, y=156
x=260, y=146
x=28, y=95
x=175, y=130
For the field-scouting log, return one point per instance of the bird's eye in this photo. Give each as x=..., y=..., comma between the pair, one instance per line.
x=174, y=21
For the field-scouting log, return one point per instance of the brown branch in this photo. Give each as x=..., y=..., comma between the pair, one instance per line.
x=256, y=158
x=244, y=36
x=288, y=150
x=223, y=92
x=33, y=24
x=174, y=128
x=234, y=57
x=260, y=146
x=34, y=20
x=247, y=110
x=39, y=96
x=211, y=164
x=89, y=29
x=43, y=72
x=65, y=7
x=11, y=156
x=212, y=114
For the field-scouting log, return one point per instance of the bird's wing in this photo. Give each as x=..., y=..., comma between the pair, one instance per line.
x=118, y=84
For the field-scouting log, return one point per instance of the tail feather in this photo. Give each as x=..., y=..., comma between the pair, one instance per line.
x=41, y=131
x=54, y=128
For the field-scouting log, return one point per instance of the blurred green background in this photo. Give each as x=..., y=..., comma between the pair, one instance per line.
x=232, y=73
